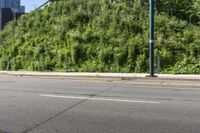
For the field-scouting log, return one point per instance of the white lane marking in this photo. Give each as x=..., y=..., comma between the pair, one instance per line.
x=100, y=99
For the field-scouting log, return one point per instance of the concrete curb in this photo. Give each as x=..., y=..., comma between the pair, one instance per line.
x=102, y=75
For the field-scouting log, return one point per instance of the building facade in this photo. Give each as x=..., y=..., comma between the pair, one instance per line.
x=9, y=9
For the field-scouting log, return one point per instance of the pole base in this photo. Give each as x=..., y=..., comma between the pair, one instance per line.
x=151, y=76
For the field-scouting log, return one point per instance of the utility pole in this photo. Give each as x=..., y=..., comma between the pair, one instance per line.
x=1, y=5
x=151, y=38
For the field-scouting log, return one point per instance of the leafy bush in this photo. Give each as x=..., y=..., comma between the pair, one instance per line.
x=103, y=36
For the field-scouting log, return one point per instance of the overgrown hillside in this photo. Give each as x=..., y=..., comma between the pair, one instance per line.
x=102, y=36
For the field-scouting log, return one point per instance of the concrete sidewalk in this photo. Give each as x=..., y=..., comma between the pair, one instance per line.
x=102, y=75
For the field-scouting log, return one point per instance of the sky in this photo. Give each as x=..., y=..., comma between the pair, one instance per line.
x=32, y=4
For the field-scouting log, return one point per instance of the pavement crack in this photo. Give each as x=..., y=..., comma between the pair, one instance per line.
x=54, y=116
x=65, y=110
x=101, y=92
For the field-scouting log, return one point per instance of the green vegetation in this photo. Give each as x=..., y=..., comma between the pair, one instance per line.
x=103, y=36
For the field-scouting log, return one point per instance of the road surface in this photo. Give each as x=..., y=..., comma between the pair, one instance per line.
x=56, y=105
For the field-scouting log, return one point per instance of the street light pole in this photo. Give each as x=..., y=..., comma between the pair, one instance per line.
x=44, y=4
x=151, y=38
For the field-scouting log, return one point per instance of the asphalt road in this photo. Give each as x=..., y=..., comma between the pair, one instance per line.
x=42, y=105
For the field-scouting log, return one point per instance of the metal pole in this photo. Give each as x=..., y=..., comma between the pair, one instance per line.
x=151, y=39
x=43, y=4
x=1, y=14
